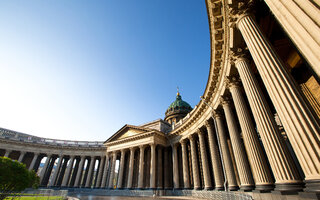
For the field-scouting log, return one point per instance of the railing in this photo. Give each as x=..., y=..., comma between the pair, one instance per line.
x=13, y=135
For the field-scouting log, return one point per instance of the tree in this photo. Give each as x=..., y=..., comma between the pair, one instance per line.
x=15, y=177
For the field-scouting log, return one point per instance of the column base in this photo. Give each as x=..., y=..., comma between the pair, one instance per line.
x=289, y=188
x=220, y=188
x=208, y=188
x=264, y=188
x=247, y=188
x=312, y=186
x=159, y=188
x=233, y=188
x=197, y=188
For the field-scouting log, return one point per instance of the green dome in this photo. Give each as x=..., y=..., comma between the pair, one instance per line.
x=178, y=106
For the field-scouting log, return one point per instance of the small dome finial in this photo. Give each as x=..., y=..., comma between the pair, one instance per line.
x=178, y=94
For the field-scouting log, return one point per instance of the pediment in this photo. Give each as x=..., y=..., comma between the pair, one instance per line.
x=127, y=131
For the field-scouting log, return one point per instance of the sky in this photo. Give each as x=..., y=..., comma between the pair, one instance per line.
x=80, y=69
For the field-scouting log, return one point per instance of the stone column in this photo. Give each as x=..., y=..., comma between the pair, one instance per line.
x=56, y=171
x=166, y=170
x=185, y=166
x=215, y=158
x=283, y=167
x=194, y=160
x=113, y=167
x=160, y=169
x=245, y=176
x=121, y=170
x=229, y=170
x=153, y=167
x=34, y=160
x=66, y=177
x=204, y=161
x=90, y=173
x=131, y=162
x=141, y=168
x=79, y=172
x=22, y=153
x=101, y=168
x=300, y=19
x=44, y=169
x=258, y=162
x=175, y=166
x=7, y=153
x=299, y=123
x=105, y=172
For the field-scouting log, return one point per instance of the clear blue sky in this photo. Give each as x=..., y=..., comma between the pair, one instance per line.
x=81, y=69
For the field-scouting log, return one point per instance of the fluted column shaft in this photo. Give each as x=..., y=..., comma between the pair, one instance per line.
x=194, y=160
x=79, y=172
x=34, y=160
x=304, y=30
x=90, y=173
x=121, y=170
x=44, y=169
x=245, y=176
x=160, y=168
x=215, y=158
x=105, y=172
x=113, y=167
x=231, y=177
x=175, y=166
x=260, y=170
x=300, y=125
x=166, y=169
x=56, y=171
x=101, y=169
x=22, y=153
x=141, y=168
x=68, y=173
x=281, y=162
x=185, y=166
x=153, y=167
x=130, y=176
x=204, y=161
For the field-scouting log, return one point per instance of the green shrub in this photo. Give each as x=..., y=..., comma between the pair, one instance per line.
x=15, y=177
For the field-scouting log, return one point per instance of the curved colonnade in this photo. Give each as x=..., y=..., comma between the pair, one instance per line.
x=254, y=128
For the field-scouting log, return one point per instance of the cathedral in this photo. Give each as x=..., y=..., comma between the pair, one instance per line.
x=255, y=133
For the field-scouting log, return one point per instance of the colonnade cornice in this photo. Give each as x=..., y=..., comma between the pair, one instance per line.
x=219, y=69
x=36, y=147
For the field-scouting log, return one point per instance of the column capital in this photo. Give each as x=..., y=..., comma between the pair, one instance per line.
x=184, y=141
x=123, y=151
x=132, y=148
x=142, y=147
x=232, y=81
x=239, y=9
x=238, y=53
x=153, y=145
x=191, y=137
x=216, y=114
x=200, y=132
x=225, y=100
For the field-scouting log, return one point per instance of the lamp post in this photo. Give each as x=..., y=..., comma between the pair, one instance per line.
x=215, y=125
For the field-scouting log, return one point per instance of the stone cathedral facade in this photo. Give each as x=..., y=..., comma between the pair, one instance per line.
x=255, y=132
